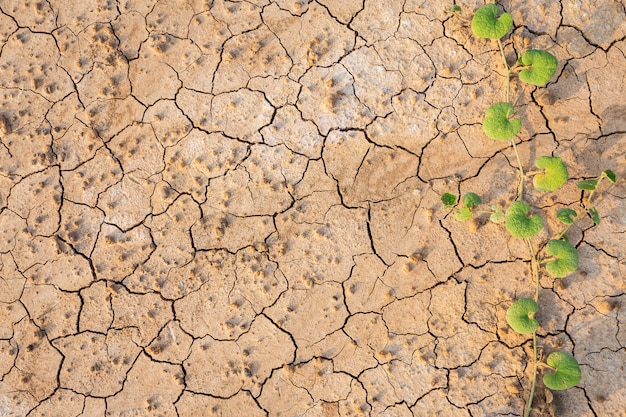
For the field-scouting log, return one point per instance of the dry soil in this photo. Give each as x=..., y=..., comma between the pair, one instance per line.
x=231, y=208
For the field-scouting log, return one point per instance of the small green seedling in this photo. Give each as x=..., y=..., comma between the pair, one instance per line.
x=591, y=186
x=535, y=67
x=463, y=213
x=566, y=215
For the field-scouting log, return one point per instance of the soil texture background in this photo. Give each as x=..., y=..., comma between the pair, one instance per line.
x=232, y=208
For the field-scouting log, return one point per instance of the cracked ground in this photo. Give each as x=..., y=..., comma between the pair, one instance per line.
x=231, y=208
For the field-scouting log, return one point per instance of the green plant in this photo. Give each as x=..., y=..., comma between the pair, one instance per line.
x=557, y=257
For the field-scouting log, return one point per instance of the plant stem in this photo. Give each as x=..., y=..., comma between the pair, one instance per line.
x=587, y=201
x=535, y=268
x=562, y=234
x=534, y=383
x=535, y=272
x=508, y=72
x=520, y=189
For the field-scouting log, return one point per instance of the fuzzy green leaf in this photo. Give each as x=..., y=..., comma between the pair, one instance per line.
x=497, y=123
x=521, y=316
x=519, y=223
x=554, y=175
x=567, y=373
x=456, y=8
x=542, y=67
x=463, y=214
x=448, y=200
x=485, y=24
x=471, y=200
x=595, y=215
x=566, y=215
x=588, y=185
x=610, y=175
x=566, y=260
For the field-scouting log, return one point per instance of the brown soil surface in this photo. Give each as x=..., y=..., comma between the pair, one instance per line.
x=231, y=208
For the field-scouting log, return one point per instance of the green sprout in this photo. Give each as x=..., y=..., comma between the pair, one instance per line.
x=566, y=215
x=470, y=202
x=553, y=176
x=567, y=373
x=591, y=185
x=521, y=316
x=449, y=200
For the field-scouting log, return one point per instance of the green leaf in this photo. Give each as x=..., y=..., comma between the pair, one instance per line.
x=497, y=123
x=610, y=175
x=566, y=260
x=521, y=316
x=471, y=200
x=456, y=8
x=542, y=67
x=519, y=223
x=463, y=214
x=588, y=185
x=567, y=373
x=566, y=215
x=448, y=200
x=595, y=216
x=554, y=175
x=485, y=24
x=497, y=216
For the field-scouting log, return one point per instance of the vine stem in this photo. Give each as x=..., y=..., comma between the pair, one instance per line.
x=520, y=188
x=534, y=383
x=508, y=72
x=535, y=272
x=535, y=268
x=508, y=100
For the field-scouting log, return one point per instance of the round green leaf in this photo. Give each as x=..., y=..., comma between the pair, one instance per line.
x=519, y=223
x=566, y=215
x=448, y=200
x=485, y=24
x=567, y=373
x=566, y=260
x=554, y=175
x=463, y=214
x=521, y=316
x=542, y=66
x=497, y=123
x=471, y=200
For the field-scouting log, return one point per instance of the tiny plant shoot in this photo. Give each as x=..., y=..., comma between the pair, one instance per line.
x=557, y=257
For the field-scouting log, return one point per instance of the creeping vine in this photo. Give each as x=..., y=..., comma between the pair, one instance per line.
x=559, y=258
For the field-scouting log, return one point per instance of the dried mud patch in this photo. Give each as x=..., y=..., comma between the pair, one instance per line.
x=232, y=208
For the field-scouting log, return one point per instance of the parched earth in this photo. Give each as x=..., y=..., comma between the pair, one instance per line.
x=232, y=208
